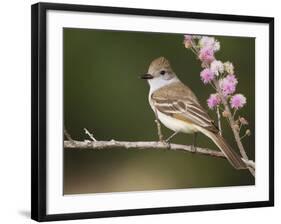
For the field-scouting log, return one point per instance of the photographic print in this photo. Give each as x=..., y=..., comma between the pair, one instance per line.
x=138, y=111
x=157, y=111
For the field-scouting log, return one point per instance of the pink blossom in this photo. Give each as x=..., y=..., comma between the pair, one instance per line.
x=206, y=55
x=213, y=100
x=228, y=84
x=209, y=42
x=237, y=101
x=206, y=41
x=207, y=75
x=217, y=67
x=187, y=41
x=232, y=78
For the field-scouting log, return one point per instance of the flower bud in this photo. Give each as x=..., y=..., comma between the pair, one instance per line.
x=243, y=121
x=225, y=113
x=248, y=132
x=187, y=41
x=229, y=68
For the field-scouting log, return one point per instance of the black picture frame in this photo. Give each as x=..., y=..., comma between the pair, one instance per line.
x=38, y=108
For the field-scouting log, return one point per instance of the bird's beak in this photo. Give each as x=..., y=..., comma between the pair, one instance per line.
x=146, y=76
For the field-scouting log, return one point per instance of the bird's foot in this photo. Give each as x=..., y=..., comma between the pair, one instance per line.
x=166, y=143
x=193, y=148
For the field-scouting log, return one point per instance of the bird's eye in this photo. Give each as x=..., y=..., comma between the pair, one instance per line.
x=162, y=72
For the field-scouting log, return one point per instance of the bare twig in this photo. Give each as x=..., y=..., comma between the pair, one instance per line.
x=240, y=126
x=90, y=135
x=243, y=136
x=99, y=145
x=67, y=135
x=219, y=120
x=250, y=163
x=234, y=114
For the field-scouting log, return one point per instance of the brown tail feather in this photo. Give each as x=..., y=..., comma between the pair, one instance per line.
x=233, y=158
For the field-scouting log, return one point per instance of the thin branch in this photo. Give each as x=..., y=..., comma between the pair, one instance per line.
x=194, y=48
x=235, y=132
x=67, y=135
x=213, y=86
x=232, y=125
x=240, y=126
x=243, y=136
x=234, y=113
x=250, y=163
x=145, y=145
x=90, y=135
x=219, y=120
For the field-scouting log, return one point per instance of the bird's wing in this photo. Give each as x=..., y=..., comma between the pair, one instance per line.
x=181, y=103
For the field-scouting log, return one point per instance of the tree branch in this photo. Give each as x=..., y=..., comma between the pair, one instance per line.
x=99, y=145
x=232, y=125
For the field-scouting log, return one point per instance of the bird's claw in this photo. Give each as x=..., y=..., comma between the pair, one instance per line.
x=166, y=143
x=193, y=148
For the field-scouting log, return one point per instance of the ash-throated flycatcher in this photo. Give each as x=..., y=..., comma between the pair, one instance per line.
x=177, y=107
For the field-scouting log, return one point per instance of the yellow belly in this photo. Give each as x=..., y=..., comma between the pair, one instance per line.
x=175, y=124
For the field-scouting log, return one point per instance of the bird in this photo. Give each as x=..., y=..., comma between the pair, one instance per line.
x=176, y=106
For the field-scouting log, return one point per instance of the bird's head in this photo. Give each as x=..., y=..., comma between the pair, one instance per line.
x=159, y=69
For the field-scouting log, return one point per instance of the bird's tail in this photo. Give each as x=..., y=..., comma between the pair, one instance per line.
x=233, y=158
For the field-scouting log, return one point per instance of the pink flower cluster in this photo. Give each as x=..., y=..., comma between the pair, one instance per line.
x=228, y=85
x=206, y=55
x=237, y=101
x=209, y=42
x=207, y=75
x=214, y=71
x=208, y=47
x=214, y=100
x=217, y=67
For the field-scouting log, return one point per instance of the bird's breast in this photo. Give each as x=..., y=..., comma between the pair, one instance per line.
x=176, y=124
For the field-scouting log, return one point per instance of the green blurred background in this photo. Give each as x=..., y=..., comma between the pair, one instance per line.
x=102, y=92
